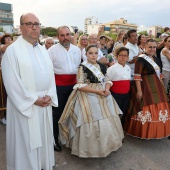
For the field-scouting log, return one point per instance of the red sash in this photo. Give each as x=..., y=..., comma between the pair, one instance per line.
x=121, y=86
x=65, y=79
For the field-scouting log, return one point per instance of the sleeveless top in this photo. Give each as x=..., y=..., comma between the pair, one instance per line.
x=165, y=62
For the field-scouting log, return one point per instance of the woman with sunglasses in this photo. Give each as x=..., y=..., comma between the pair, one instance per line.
x=148, y=115
x=82, y=41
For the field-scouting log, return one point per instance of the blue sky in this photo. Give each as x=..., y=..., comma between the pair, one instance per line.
x=73, y=12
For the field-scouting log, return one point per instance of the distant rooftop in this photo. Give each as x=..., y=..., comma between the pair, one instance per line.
x=120, y=21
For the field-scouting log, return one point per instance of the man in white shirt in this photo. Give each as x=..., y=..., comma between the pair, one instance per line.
x=66, y=58
x=92, y=39
x=133, y=49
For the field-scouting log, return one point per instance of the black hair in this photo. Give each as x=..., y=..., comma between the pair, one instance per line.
x=165, y=40
x=102, y=36
x=117, y=52
x=64, y=26
x=130, y=32
x=150, y=40
x=166, y=29
x=3, y=38
x=21, y=19
x=90, y=46
x=139, y=38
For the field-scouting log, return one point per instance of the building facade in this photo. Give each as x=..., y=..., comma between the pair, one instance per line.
x=155, y=31
x=6, y=17
x=121, y=24
x=91, y=21
x=142, y=28
x=92, y=29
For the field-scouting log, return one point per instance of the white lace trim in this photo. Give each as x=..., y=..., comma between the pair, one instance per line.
x=79, y=86
x=144, y=118
x=147, y=117
x=163, y=117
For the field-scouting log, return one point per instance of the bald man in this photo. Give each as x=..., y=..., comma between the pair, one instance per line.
x=92, y=39
x=29, y=81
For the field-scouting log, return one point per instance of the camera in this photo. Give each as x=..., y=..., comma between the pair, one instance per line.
x=76, y=29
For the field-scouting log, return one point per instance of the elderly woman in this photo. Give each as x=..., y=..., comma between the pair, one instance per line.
x=6, y=40
x=148, y=115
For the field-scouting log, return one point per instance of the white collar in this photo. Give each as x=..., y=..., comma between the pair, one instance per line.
x=132, y=44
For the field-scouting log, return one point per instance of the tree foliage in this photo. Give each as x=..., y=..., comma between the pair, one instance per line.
x=143, y=32
x=50, y=31
x=1, y=29
x=112, y=35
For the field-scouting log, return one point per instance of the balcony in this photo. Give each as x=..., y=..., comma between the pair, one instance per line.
x=2, y=22
x=6, y=19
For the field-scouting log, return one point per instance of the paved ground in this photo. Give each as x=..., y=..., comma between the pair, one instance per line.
x=135, y=154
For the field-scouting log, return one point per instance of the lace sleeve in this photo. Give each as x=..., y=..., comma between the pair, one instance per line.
x=80, y=75
x=107, y=80
x=108, y=76
x=80, y=79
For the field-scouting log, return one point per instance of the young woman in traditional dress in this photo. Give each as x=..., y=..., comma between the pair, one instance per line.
x=148, y=115
x=90, y=124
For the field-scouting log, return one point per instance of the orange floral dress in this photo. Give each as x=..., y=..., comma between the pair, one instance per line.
x=148, y=118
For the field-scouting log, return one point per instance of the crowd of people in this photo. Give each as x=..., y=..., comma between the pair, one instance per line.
x=83, y=92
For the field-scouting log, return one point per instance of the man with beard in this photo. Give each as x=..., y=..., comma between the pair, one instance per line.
x=66, y=58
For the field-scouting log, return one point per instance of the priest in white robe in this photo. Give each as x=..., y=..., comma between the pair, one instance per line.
x=29, y=81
